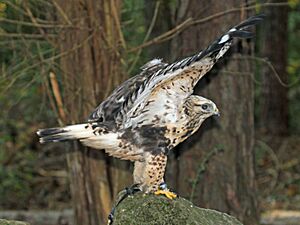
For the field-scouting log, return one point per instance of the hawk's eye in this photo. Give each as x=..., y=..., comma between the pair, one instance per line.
x=204, y=106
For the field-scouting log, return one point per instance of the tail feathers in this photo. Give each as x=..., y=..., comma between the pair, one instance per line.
x=72, y=132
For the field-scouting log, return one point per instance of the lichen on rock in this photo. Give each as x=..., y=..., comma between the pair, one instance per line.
x=12, y=222
x=141, y=209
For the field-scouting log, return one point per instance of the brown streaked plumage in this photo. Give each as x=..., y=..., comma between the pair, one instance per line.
x=152, y=112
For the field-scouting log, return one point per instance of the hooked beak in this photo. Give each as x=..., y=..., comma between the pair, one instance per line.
x=217, y=112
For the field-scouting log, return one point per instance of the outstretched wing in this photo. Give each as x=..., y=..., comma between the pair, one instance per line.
x=145, y=95
x=169, y=87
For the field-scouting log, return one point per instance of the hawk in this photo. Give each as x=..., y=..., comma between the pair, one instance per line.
x=152, y=112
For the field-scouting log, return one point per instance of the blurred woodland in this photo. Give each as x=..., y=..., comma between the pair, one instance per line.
x=60, y=60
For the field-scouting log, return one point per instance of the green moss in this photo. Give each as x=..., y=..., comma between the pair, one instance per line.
x=158, y=210
x=9, y=222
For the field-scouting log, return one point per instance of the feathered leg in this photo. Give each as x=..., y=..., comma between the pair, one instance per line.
x=152, y=175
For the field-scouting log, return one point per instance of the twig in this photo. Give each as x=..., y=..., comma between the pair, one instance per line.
x=51, y=99
x=22, y=72
x=9, y=41
x=15, y=7
x=270, y=65
x=202, y=168
x=111, y=47
x=146, y=36
x=291, y=163
x=42, y=32
x=164, y=36
x=62, y=54
x=57, y=96
x=62, y=13
x=191, y=22
x=241, y=74
x=273, y=156
x=44, y=25
x=23, y=35
x=214, y=16
x=52, y=173
x=118, y=25
x=23, y=93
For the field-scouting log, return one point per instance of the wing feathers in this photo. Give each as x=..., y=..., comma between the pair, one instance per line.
x=236, y=32
x=171, y=75
x=158, y=85
x=241, y=34
x=123, y=101
x=251, y=21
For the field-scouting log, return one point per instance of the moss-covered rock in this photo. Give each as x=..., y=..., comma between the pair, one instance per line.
x=10, y=222
x=158, y=210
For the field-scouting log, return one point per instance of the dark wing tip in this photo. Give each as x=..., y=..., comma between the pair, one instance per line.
x=239, y=30
x=251, y=21
x=236, y=32
x=49, y=131
x=54, y=138
x=242, y=34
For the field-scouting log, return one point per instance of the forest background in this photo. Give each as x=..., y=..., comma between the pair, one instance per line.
x=59, y=60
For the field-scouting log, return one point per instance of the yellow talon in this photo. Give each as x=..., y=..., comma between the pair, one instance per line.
x=169, y=194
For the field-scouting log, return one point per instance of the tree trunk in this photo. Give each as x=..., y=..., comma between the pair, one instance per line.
x=91, y=68
x=274, y=101
x=222, y=180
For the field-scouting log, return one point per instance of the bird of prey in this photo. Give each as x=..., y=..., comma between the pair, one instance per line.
x=152, y=112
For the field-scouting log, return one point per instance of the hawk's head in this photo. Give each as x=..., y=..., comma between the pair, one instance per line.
x=200, y=108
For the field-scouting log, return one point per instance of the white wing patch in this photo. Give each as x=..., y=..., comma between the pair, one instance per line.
x=224, y=38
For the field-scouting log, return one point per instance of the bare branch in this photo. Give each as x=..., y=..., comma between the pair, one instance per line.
x=146, y=36
x=26, y=36
x=57, y=96
x=34, y=21
x=191, y=22
x=214, y=16
x=62, y=13
x=118, y=25
x=44, y=25
x=270, y=65
x=50, y=59
x=165, y=36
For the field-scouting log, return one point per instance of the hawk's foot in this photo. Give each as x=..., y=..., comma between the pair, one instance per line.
x=169, y=194
x=163, y=190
